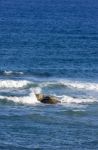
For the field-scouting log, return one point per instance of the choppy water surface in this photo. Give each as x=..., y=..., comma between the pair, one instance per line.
x=51, y=47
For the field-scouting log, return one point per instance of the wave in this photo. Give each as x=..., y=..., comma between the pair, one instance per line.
x=66, y=90
x=68, y=99
x=82, y=85
x=71, y=84
x=13, y=73
x=39, y=73
x=13, y=83
x=30, y=99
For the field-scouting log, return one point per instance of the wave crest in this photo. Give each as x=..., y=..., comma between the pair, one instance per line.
x=30, y=99
x=13, y=73
x=13, y=83
x=68, y=99
x=72, y=84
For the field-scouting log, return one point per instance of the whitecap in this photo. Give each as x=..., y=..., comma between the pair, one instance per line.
x=13, y=83
x=80, y=85
x=30, y=99
x=13, y=72
x=69, y=99
x=71, y=84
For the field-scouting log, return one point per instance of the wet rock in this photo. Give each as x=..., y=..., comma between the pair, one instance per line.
x=40, y=97
x=47, y=99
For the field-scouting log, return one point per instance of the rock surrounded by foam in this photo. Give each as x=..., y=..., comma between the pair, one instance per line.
x=47, y=99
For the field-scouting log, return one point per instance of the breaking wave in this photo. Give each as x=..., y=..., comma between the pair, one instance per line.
x=74, y=91
x=81, y=85
x=66, y=91
x=30, y=99
x=13, y=83
x=72, y=84
x=68, y=99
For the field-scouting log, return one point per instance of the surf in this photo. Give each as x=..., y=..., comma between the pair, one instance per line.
x=69, y=91
x=13, y=83
x=31, y=99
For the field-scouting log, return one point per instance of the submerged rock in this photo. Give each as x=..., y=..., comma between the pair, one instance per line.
x=47, y=99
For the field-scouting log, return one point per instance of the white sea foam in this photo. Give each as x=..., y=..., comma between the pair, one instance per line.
x=31, y=99
x=72, y=84
x=13, y=72
x=13, y=83
x=68, y=99
x=90, y=97
x=8, y=72
x=81, y=85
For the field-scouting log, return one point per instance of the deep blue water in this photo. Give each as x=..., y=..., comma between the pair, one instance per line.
x=51, y=45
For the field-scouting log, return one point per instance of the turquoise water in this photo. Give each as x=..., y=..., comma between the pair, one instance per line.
x=50, y=47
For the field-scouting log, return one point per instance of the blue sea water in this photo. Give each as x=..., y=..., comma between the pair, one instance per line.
x=49, y=46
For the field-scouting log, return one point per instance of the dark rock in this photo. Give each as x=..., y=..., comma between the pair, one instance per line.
x=47, y=99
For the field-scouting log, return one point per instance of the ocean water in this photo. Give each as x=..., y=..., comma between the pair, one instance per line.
x=50, y=46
